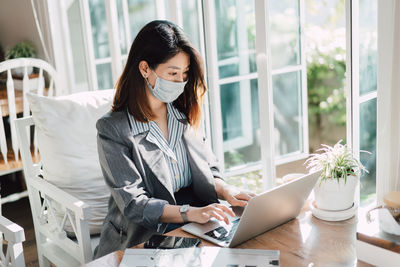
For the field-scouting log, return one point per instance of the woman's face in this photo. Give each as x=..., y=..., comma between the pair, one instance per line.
x=176, y=69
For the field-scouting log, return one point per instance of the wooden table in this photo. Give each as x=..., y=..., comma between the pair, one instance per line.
x=304, y=241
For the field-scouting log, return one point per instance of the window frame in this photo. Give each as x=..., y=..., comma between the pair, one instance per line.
x=303, y=153
x=215, y=82
x=212, y=118
x=354, y=101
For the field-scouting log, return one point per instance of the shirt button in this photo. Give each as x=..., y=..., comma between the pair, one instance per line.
x=173, y=161
x=176, y=176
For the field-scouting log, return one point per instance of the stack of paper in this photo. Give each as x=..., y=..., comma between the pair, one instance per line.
x=202, y=257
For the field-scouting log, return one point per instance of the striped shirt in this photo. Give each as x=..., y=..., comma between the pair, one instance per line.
x=174, y=149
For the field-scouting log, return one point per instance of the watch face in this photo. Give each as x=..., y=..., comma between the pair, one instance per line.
x=184, y=208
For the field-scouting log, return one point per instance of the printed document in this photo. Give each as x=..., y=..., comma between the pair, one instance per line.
x=201, y=257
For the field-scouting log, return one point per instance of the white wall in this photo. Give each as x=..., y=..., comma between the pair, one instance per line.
x=17, y=24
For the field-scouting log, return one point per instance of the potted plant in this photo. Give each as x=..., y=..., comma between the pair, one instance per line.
x=22, y=49
x=340, y=174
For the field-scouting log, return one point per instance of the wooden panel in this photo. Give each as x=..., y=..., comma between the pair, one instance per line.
x=18, y=97
x=4, y=101
x=12, y=164
x=19, y=105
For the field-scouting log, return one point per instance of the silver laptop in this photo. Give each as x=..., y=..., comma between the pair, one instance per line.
x=262, y=213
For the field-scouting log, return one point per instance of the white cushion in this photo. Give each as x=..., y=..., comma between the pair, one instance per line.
x=66, y=134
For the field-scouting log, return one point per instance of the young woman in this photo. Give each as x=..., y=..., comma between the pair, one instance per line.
x=156, y=163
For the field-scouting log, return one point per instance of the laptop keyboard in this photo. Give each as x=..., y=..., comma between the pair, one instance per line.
x=224, y=233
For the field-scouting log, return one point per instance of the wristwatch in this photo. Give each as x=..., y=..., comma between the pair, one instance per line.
x=183, y=210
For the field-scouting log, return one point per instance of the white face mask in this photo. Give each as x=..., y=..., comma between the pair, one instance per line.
x=166, y=91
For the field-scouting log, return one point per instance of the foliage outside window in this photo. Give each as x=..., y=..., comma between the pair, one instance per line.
x=326, y=96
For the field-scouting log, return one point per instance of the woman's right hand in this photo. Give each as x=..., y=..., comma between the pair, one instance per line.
x=204, y=214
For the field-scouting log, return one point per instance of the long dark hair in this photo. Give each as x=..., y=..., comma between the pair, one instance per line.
x=156, y=43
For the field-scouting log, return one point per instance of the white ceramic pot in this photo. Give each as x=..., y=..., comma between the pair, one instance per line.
x=333, y=195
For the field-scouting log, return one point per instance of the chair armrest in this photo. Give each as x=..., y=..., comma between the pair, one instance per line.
x=66, y=200
x=13, y=232
x=46, y=201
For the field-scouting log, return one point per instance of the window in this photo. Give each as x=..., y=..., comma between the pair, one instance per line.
x=225, y=33
x=191, y=21
x=364, y=85
x=289, y=80
x=234, y=120
x=325, y=34
x=237, y=100
x=75, y=30
x=101, y=47
x=235, y=28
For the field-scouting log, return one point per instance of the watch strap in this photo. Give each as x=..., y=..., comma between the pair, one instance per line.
x=183, y=210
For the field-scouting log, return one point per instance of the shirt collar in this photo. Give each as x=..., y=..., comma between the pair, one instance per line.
x=179, y=116
x=139, y=127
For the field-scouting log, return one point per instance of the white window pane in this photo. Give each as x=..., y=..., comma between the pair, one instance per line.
x=236, y=37
x=368, y=143
x=231, y=111
x=121, y=28
x=368, y=83
x=241, y=127
x=288, y=113
x=141, y=12
x=190, y=17
x=285, y=34
x=368, y=45
x=99, y=28
x=77, y=46
x=104, y=76
x=325, y=35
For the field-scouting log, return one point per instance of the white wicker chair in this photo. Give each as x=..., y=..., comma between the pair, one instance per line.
x=53, y=244
x=16, y=103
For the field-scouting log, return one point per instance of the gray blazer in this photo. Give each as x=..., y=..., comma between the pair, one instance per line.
x=138, y=177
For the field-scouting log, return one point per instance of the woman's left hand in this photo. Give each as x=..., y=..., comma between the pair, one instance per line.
x=238, y=198
x=231, y=194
